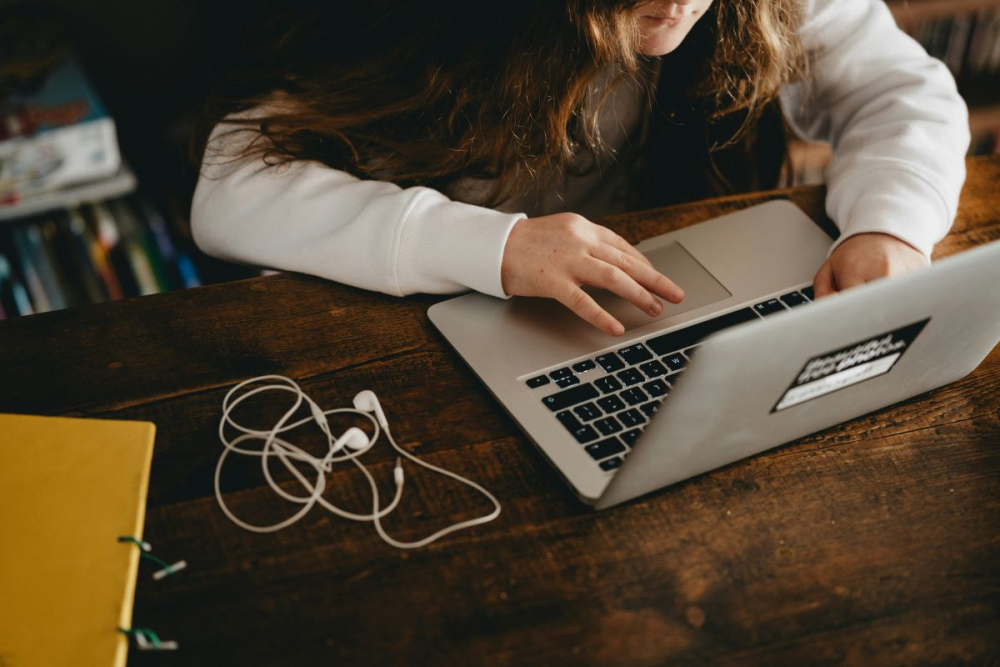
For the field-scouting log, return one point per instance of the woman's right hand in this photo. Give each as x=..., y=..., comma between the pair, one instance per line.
x=554, y=255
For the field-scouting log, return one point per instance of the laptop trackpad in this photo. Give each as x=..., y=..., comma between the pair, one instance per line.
x=672, y=260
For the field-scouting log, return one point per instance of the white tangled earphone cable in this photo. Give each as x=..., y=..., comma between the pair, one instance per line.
x=351, y=445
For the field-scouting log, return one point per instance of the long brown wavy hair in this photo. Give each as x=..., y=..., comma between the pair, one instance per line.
x=426, y=93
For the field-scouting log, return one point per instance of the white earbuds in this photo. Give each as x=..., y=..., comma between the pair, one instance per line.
x=367, y=401
x=354, y=440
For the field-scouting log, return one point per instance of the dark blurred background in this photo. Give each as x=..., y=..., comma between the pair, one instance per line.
x=154, y=63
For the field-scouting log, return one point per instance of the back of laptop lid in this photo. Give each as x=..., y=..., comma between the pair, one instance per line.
x=770, y=382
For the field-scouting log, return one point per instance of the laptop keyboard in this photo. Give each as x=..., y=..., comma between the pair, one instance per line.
x=606, y=401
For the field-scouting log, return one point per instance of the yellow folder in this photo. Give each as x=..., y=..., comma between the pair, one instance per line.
x=68, y=489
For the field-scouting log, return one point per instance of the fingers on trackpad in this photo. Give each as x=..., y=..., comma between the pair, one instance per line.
x=701, y=288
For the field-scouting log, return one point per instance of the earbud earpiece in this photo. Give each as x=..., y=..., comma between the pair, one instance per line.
x=367, y=401
x=354, y=439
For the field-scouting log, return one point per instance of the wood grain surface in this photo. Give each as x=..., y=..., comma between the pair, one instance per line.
x=876, y=542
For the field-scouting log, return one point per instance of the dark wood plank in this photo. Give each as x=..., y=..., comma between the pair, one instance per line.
x=154, y=347
x=778, y=561
x=874, y=542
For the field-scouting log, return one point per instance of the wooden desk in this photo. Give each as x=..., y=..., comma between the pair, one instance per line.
x=876, y=542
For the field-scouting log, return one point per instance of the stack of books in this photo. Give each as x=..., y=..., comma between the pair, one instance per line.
x=58, y=144
x=72, y=232
x=88, y=254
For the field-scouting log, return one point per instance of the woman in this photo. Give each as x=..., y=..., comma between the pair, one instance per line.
x=437, y=147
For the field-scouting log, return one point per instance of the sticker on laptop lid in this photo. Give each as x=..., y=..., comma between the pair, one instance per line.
x=850, y=365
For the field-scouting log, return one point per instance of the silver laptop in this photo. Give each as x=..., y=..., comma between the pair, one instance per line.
x=747, y=362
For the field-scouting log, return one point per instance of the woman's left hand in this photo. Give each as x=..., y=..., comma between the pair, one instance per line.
x=863, y=258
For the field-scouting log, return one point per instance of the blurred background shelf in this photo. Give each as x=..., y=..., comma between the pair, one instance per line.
x=912, y=12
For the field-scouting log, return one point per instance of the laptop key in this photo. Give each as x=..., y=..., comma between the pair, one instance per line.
x=605, y=448
x=570, y=397
x=631, y=418
x=611, y=464
x=653, y=369
x=650, y=408
x=634, y=396
x=569, y=420
x=610, y=362
x=768, y=307
x=611, y=403
x=608, y=384
x=583, y=434
x=584, y=366
x=587, y=411
x=793, y=299
x=561, y=373
x=630, y=376
x=635, y=354
x=607, y=426
x=675, y=362
x=568, y=381
x=539, y=381
x=807, y=292
x=677, y=340
x=657, y=388
x=629, y=437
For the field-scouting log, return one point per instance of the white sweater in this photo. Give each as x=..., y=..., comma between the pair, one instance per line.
x=898, y=127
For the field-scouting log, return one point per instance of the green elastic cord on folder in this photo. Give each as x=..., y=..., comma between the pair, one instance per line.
x=165, y=567
x=149, y=640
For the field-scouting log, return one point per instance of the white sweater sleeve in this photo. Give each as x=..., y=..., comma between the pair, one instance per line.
x=897, y=124
x=309, y=218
